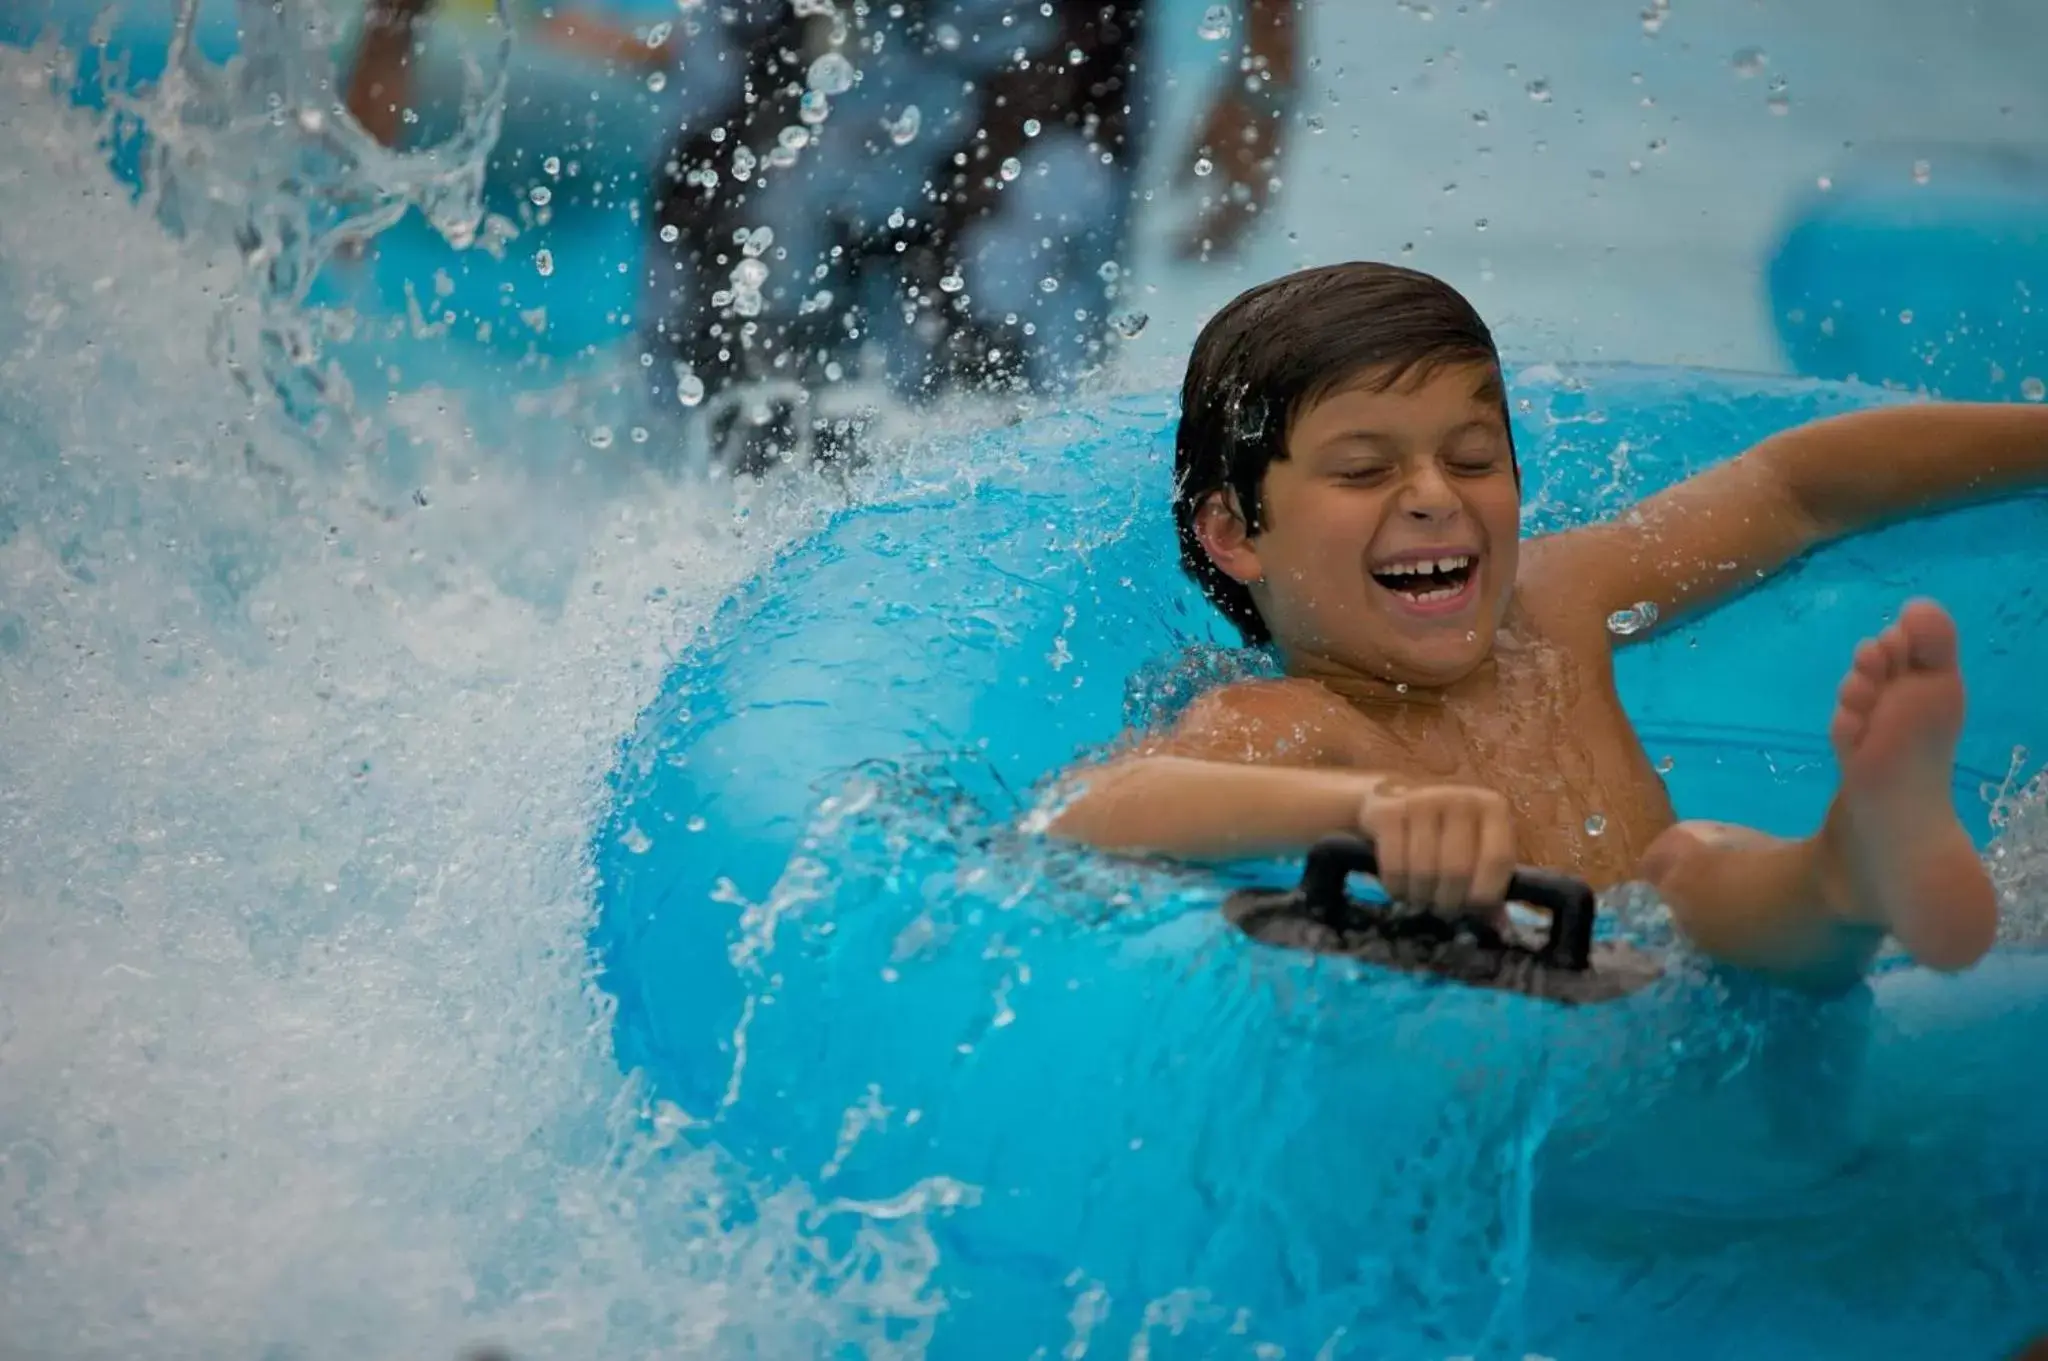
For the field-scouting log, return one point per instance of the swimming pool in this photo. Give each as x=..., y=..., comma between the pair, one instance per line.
x=306, y=734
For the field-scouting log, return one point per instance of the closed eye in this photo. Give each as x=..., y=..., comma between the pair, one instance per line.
x=1473, y=462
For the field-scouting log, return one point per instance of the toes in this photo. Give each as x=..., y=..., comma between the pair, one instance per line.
x=1859, y=690
x=1929, y=634
x=1846, y=728
x=1874, y=660
x=1898, y=649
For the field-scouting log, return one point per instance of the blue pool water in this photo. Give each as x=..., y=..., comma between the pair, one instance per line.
x=323, y=627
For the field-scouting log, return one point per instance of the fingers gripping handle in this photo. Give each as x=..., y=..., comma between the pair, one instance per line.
x=1569, y=901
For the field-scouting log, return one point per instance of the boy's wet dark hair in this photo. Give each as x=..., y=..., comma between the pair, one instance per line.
x=1277, y=348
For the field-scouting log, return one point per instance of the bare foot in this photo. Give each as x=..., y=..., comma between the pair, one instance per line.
x=1908, y=863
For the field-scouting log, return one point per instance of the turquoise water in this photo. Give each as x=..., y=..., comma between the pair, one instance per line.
x=320, y=633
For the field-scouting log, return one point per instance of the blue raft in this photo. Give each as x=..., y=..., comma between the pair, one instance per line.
x=1109, y=1115
x=1936, y=281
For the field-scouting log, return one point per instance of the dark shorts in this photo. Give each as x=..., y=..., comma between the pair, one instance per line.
x=954, y=217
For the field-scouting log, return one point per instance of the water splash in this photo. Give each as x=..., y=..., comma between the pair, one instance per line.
x=309, y=701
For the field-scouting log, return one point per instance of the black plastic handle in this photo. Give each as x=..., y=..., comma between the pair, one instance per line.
x=1569, y=901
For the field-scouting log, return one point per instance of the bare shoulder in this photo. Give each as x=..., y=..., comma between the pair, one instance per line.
x=1559, y=587
x=1277, y=722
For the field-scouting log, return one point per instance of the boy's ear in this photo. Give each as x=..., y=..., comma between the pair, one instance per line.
x=1226, y=538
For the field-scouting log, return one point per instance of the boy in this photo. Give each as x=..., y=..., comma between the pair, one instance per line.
x=1346, y=490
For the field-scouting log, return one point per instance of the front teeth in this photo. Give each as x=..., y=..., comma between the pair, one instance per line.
x=1408, y=569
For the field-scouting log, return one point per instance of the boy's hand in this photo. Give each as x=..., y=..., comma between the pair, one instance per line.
x=1446, y=847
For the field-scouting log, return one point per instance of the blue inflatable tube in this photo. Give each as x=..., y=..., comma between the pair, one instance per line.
x=1939, y=285
x=1089, y=1107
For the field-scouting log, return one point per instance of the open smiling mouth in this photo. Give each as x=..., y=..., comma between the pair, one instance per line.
x=1438, y=581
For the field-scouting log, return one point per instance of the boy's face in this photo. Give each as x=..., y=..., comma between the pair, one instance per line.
x=1391, y=528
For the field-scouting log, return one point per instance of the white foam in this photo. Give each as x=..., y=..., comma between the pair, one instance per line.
x=298, y=1052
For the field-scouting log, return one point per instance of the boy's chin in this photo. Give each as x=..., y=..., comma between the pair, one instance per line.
x=1438, y=666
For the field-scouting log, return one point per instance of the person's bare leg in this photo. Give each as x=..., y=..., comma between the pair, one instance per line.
x=1892, y=855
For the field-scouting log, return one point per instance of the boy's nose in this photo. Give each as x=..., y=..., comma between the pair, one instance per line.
x=1426, y=495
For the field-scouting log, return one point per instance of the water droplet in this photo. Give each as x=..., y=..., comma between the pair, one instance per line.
x=1010, y=169
x=1539, y=90
x=695, y=824
x=541, y=195
x=553, y=165
x=1634, y=619
x=1655, y=15
x=636, y=840
x=813, y=107
x=1203, y=165
x=1481, y=117
x=1110, y=272
x=1048, y=284
x=1596, y=825
x=1824, y=183
x=639, y=434
x=1032, y=127
x=952, y=283
x=601, y=437
x=793, y=138
x=544, y=261
x=830, y=74
x=2033, y=389
x=1480, y=224
x=1215, y=25
x=669, y=232
x=1750, y=61
x=689, y=387
x=1779, y=102
x=1923, y=171
x=1665, y=764
x=1314, y=122
x=947, y=37
x=657, y=81
x=748, y=275
x=1905, y=316
x=1130, y=324
x=904, y=129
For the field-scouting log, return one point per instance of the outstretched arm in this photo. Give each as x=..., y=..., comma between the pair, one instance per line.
x=594, y=37
x=380, y=82
x=1695, y=544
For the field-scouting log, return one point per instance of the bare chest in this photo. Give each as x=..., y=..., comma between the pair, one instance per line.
x=1548, y=732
